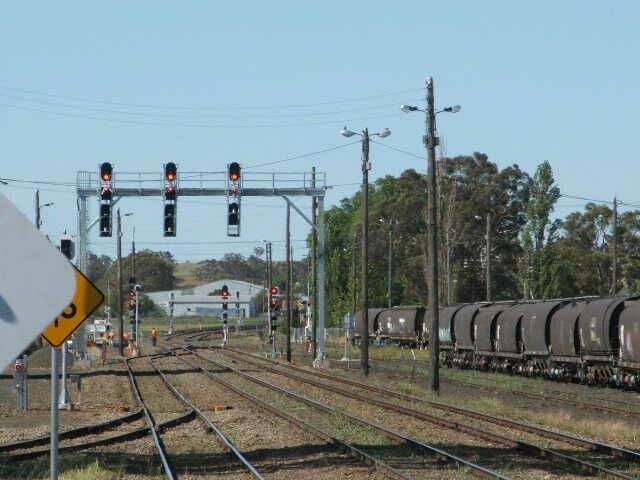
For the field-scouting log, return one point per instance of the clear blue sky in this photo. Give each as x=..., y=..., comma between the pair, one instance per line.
x=537, y=81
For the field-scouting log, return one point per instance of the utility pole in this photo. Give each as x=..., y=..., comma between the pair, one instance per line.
x=171, y=302
x=272, y=323
x=314, y=268
x=614, y=249
x=390, y=258
x=432, y=239
x=354, y=279
x=488, y=278
x=133, y=256
x=37, y=204
x=364, y=354
x=289, y=283
x=119, y=252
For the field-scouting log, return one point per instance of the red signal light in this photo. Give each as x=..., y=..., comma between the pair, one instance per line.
x=170, y=171
x=106, y=172
x=274, y=290
x=234, y=172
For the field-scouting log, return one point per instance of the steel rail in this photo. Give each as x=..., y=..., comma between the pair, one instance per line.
x=550, y=396
x=212, y=426
x=414, y=443
x=73, y=433
x=530, y=428
x=305, y=426
x=123, y=437
x=152, y=426
x=470, y=430
x=577, y=403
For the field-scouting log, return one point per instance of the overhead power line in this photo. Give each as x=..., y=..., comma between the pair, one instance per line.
x=231, y=107
x=305, y=155
x=198, y=116
x=399, y=150
x=192, y=125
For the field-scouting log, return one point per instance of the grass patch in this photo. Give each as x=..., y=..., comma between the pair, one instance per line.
x=72, y=467
x=93, y=471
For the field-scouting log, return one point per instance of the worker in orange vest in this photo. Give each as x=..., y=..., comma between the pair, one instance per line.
x=154, y=336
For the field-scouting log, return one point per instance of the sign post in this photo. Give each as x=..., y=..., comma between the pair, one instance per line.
x=54, y=460
x=63, y=401
x=85, y=301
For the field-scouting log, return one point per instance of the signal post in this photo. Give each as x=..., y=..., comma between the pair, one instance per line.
x=229, y=183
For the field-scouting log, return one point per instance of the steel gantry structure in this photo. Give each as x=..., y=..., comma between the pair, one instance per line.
x=214, y=184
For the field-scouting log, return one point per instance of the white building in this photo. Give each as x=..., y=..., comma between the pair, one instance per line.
x=198, y=301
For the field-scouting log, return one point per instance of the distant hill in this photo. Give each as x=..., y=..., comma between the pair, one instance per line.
x=185, y=274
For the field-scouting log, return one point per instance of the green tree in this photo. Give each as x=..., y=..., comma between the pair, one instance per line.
x=535, y=237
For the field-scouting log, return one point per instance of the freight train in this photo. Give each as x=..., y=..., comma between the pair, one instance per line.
x=591, y=340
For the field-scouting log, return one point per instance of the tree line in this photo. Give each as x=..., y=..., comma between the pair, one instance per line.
x=155, y=270
x=533, y=254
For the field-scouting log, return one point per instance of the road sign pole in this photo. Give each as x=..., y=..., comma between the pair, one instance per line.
x=54, y=415
x=64, y=392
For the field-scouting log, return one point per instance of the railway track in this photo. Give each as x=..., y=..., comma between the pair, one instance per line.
x=462, y=425
x=419, y=446
x=169, y=467
x=539, y=430
x=556, y=397
x=220, y=435
x=88, y=436
x=306, y=427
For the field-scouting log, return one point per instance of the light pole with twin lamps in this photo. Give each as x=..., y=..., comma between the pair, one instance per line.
x=430, y=142
x=366, y=166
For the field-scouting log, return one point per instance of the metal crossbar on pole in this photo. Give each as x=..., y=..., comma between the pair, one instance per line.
x=214, y=184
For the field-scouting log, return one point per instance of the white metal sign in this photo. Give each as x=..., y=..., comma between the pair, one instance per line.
x=36, y=282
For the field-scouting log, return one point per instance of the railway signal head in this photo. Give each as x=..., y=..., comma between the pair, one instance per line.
x=225, y=291
x=106, y=172
x=105, y=220
x=170, y=220
x=67, y=248
x=170, y=193
x=234, y=213
x=234, y=172
x=106, y=193
x=170, y=172
x=274, y=291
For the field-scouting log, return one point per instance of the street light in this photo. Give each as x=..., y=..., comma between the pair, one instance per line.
x=366, y=166
x=38, y=207
x=392, y=225
x=430, y=142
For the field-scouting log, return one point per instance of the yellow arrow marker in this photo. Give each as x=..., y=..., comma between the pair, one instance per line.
x=84, y=303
